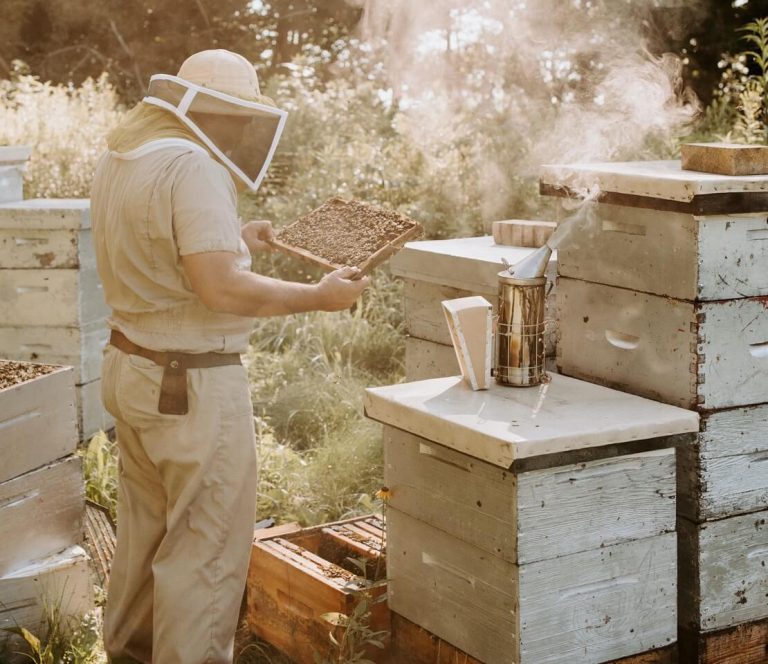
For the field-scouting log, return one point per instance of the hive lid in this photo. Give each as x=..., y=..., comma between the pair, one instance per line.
x=46, y=214
x=503, y=424
x=470, y=263
x=661, y=185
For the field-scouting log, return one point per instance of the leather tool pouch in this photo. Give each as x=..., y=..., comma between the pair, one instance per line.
x=173, y=388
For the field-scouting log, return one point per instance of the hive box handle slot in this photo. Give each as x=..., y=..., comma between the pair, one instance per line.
x=759, y=350
x=610, y=226
x=757, y=234
x=621, y=340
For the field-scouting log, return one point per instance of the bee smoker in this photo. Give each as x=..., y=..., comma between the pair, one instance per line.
x=520, y=349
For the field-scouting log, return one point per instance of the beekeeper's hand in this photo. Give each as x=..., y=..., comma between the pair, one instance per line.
x=339, y=289
x=258, y=235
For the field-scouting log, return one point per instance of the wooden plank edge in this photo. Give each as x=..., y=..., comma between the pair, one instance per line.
x=742, y=644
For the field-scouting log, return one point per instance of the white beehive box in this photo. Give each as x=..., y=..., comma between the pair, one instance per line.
x=13, y=160
x=37, y=420
x=437, y=270
x=61, y=580
x=532, y=525
x=54, y=304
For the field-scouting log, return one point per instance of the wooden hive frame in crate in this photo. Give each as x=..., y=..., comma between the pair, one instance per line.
x=296, y=577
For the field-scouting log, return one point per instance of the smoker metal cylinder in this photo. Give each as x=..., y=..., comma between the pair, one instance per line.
x=520, y=348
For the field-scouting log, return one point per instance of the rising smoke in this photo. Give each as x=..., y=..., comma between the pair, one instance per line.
x=555, y=81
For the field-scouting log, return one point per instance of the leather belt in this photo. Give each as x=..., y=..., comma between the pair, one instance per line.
x=173, y=388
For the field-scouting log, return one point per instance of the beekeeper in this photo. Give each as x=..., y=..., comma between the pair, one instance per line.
x=175, y=265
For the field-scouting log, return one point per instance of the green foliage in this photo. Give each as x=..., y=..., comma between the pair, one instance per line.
x=101, y=471
x=66, y=127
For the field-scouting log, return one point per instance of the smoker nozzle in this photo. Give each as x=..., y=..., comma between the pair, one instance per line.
x=534, y=265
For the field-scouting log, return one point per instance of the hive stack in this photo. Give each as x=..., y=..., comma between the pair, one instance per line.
x=532, y=525
x=54, y=308
x=437, y=270
x=42, y=502
x=663, y=295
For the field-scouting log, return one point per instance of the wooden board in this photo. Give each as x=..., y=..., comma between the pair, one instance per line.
x=672, y=254
x=52, y=298
x=11, y=184
x=725, y=158
x=41, y=512
x=46, y=213
x=427, y=359
x=522, y=233
x=37, y=423
x=63, y=579
x=723, y=578
x=23, y=248
x=709, y=355
x=533, y=515
x=726, y=471
x=470, y=324
x=588, y=607
x=78, y=347
x=743, y=644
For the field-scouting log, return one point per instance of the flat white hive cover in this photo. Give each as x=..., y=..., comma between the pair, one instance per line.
x=656, y=179
x=502, y=424
x=471, y=263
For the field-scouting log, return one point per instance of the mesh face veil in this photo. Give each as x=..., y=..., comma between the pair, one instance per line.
x=243, y=134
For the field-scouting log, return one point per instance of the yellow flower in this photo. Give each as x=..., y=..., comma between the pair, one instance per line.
x=385, y=493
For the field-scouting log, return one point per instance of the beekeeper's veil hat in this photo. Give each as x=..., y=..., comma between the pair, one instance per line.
x=222, y=83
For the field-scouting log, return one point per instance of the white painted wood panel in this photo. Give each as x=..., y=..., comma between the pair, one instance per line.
x=51, y=298
x=657, y=179
x=63, y=578
x=78, y=347
x=41, y=513
x=37, y=423
x=44, y=248
x=591, y=505
x=427, y=359
x=726, y=472
x=502, y=424
x=534, y=515
x=724, y=571
x=11, y=184
x=599, y=605
x=710, y=355
x=453, y=589
x=48, y=213
x=92, y=417
x=471, y=263
x=588, y=607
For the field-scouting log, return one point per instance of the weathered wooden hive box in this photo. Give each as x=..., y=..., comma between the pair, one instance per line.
x=13, y=160
x=437, y=270
x=54, y=308
x=297, y=576
x=42, y=502
x=532, y=525
x=663, y=294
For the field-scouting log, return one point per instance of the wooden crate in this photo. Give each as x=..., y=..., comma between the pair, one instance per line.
x=706, y=355
x=725, y=472
x=723, y=571
x=62, y=580
x=743, y=644
x=38, y=422
x=295, y=578
x=41, y=512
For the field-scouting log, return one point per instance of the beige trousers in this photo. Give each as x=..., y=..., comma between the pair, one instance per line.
x=186, y=506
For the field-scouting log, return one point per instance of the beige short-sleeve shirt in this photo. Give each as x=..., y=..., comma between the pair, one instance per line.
x=149, y=207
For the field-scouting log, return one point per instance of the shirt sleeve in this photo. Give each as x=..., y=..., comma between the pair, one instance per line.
x=204, y=202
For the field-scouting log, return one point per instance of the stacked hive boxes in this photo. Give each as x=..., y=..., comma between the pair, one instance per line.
x=532, y=525
x=53, y=306
x=437, y=270
x=13, y=159
x=663, y=294
x=42, y=502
